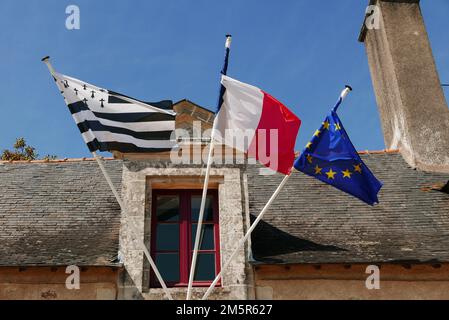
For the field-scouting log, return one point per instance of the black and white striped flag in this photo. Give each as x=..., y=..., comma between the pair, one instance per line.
x=110, y=121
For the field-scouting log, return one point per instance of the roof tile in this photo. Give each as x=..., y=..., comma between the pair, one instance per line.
x=58, y=213
x=312, y=222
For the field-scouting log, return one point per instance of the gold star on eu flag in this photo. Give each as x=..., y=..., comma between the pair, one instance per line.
x=331, y=174
x=357, y=168
x=309, y=158
x=347, y=174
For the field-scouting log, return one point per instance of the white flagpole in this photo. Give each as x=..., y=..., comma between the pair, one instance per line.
x=247, y=235
x=242, y=241
x=46, y=60
x=142, y=245
x=206, y=184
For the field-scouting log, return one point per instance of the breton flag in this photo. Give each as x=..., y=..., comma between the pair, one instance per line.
x=269, y=127
x=331, y=158
x=110, y=121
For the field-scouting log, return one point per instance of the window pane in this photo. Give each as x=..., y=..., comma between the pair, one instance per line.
x=167, y=237
x=205, y=267
x=207, y=237
x=167, y=208
x=208, y=209
x=168, y=265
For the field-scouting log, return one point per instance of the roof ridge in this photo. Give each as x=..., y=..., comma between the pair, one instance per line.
x=55, y=160
x=297, y=153
x=194, y=103
x=112, y=158
x=378, y=151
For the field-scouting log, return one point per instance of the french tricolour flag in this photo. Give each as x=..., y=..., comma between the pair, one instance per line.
x=254, y=122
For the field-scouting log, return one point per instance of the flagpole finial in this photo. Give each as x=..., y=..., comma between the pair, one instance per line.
x=46, y=60
x=228, y=41
x=345, y=92
x=343, y=95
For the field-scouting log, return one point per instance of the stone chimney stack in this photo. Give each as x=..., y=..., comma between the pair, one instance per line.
x=413, y=110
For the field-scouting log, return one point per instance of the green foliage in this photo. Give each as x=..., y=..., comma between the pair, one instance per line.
x=22, y=151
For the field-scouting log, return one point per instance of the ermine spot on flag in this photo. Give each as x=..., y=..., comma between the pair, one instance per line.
x=269, y=126
x=110, y=121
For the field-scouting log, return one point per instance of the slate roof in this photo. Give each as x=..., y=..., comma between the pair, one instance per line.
x=311, y=222
x=63, y=212
x=58, y=213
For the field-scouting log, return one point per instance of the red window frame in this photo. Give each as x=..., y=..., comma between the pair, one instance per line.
x=185, y=236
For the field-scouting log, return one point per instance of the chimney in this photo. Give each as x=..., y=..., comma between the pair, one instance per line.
x=410, y=99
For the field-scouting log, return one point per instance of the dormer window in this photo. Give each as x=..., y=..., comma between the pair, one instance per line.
x=174, y=222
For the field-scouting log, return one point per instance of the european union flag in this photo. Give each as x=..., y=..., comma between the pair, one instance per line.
x=331, y=158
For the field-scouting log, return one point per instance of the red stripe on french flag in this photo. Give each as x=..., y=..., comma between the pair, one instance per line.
x=270, y=126
x=281, y=127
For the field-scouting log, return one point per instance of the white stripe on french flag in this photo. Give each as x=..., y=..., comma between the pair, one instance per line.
x=269, y=127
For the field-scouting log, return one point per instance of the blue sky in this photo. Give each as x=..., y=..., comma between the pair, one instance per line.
x=302, y=51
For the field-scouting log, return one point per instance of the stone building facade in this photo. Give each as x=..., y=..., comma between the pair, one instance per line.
x=140, y=178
